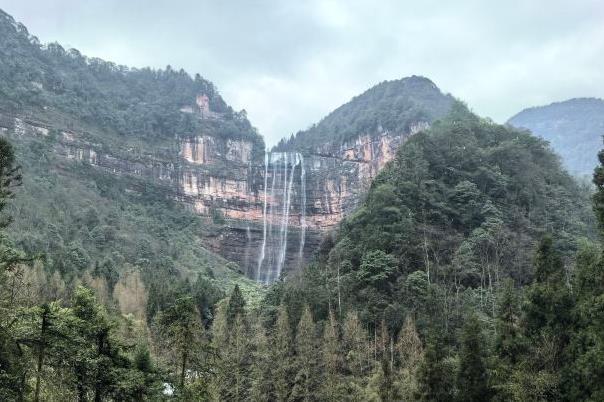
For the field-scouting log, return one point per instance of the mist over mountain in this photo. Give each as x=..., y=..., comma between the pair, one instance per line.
x=573, y=127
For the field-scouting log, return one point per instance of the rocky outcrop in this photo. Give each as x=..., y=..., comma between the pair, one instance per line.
x=275, y=210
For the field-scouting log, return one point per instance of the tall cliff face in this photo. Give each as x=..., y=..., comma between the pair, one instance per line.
x=574, y=129
x=167, y=131
x=307, y=184
x=272, y=209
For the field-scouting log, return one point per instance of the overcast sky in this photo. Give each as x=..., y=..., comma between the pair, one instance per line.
x=289, y=63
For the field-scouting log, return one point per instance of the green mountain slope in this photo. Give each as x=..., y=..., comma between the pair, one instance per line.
x=91, y=222
x=461, y=206
x=389, y=106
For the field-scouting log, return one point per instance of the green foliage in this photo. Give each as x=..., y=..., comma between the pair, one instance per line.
x=435, y=375
x=376, y=269
x=281, y=356
x=306, y=380
x=142, y=103
x=389, y=106
x=473, y=375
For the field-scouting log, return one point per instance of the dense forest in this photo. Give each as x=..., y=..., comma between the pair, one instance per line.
x=471, y=272
x=85, y=225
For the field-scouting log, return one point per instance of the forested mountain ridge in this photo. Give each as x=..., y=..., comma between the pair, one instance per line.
x=389, y=107
x=573, y=127
x=98, y=149
x=434, y=264
x=126, y=101
x=173, y=133
x=462, y=203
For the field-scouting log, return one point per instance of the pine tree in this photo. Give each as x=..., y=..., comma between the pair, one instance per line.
x=231, y=343
x=550, y=303
x=332, y=360
x=508, y=342
x=473, y=378
x=355, y=346
x=509, y=345
x=435, y=379
x=221, y=382
x=306, y=361
x=239, y=355
x=581, y=378
x=281, y=356
x=236, y=305
x=548, y=326
x=181, y=330
x=598, y=198
x=261, y=383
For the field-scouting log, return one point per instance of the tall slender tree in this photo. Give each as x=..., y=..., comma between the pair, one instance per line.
x=473, y=375
x=281, y=356
x=331, y=360
x=306, y=381
x=261, y=383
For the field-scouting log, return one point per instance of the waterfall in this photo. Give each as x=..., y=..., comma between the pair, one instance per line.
x=286, y=188
x=285, y=217
x=263, y=248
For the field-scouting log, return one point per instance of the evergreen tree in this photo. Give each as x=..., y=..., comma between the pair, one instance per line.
x=332, y=360
x=548, y=326
x=236, y=305
x=238, y=361
x=307, y=376
x=182, y=332
x=281, y=356
x=508, y=342
x=581, y=379
x=598, y=197
x=221, y=334
x=410, y=355
x=435, y=377
x=231, y=343
x=548, y=311
x=356, y=347
x=261, y=384
x=473, y=378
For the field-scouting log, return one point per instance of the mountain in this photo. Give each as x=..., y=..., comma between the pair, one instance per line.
x=111, y=139
x=471, y=254
x=99, y=149
x=338, y=158
x=574, y=128
x=461, y=196
x=389, y=107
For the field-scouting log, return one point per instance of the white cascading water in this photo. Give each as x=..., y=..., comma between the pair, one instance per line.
x=263, y=248
x=272, y=255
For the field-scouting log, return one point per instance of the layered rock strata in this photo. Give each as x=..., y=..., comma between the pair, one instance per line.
x=275, y=211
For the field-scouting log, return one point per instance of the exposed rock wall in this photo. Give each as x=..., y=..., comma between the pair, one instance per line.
x=219, y=177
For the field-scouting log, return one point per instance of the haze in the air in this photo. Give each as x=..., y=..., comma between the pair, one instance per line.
x=289, y=63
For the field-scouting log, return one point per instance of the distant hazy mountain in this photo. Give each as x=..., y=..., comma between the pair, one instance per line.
x=573, y=127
